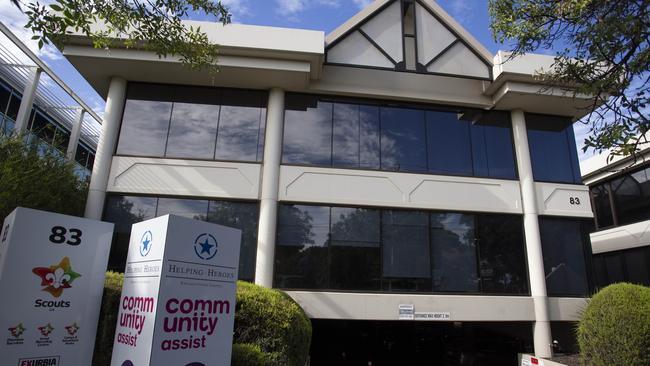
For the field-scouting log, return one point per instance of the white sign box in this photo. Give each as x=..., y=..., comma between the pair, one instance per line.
x=52, y=271
x=178, y=300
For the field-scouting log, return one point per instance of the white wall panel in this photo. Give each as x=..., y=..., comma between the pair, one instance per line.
x=556, y=199
x=459, y=60
x=360, y=306
x=622, y=237
x=566, y=308
x=355, y=49
x=184, y=177
x=432, y=36
x=375, y=188
x=386, y=30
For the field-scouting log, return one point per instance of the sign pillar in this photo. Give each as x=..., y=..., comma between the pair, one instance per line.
x=178, y=300
x=52, y=270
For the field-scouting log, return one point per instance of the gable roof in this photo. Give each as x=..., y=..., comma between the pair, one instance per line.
x=376, y=36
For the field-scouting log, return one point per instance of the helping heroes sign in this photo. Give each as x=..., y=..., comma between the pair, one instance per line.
x=178, y=300
x=52, y=270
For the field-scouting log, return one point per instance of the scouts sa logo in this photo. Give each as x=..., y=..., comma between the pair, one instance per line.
x=56, y=278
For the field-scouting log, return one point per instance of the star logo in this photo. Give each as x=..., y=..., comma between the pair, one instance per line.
x=17, y=331
x=72, y=329
x=205, y=246
x=56, y=278
x=46, y=329
x=145, y=243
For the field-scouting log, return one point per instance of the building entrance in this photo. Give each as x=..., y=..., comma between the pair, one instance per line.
x=375, y=343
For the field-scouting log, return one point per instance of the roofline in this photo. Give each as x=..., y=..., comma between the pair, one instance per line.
x=432, y=6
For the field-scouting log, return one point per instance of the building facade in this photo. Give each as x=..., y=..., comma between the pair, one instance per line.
x=393, y=163
x=620, y=194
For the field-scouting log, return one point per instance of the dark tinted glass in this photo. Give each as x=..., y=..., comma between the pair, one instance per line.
x=14, y=105
x=406, y=257
x=240, y=122
x=602, y=205
x=637, y=263
x=403, y=140
x=307, y=131
x=448, y=142
x=81, y=155
x=502, y=260
x=301, y=259
x=454, y=252
x=243, y=216
x=629, y=265
x=193, y=128
x=354, y=250
x=614, y=268
x=145, y=122
x=552, y=149
x=563, y=248
x=5, y=94
x=492, y=149
x=125, y=211
x=632, y=196
x=43, y=128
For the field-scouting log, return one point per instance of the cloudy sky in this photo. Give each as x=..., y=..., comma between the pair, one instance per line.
x=323, y=15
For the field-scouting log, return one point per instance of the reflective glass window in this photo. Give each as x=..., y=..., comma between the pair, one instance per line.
x=449, y=146
x=552, y=149
x=602, y=205
x=455, y=260
x=301, y=259
x=637, y=263
x=632, y=196
x=125, y=211
x=406, y=256
x=14, y=105
x=403, y=140
x=145, y=122
x=307, y=131
x=241, y=121
x=563, y=248
x=492, y=148
x=354, y=250
x=193, y=127
x=502, y=264
x=5, y=94
x=243, y=216
x=614, y=267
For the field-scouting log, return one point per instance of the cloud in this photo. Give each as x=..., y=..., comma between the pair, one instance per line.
x=238, y=8
x=362, y=3
x=293, y=7
x=15, y=20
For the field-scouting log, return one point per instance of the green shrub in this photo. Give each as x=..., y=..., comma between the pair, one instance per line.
x=108, y=318
x=615, y=327
x=270, y=328
x=271, y=320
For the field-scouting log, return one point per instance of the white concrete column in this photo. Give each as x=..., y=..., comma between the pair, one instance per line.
x=542, y=337
x=27, y=102
x=105, y=148
x=269, y=195
x=75, y=133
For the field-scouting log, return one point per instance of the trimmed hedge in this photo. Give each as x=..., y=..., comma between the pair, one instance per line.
x=615, y=327
x=270, y=328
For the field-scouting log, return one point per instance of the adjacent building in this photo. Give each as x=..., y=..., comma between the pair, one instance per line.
x=391, y=165
x=620, y=196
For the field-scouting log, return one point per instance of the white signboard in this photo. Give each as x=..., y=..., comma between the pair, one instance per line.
x=52, y=271
x=433, y=316
x=406, y=311
x=178, y=300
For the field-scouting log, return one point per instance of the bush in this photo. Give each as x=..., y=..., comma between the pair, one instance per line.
x=108, y=318
x=270, y=328
x=271, y=320
x=615, y=327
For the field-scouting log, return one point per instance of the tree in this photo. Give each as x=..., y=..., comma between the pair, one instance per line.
x=601, y=49
x=153, y=25
x=36, y=177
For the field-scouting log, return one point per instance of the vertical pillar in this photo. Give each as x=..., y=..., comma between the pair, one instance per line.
x=27, y=102
x=105, y=148
x=542, y=337
x=75, y=133
x=269, y=194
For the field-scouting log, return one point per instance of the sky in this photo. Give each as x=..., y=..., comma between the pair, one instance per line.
x=324, y=15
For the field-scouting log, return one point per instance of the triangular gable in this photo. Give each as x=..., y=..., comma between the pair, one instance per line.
x=416, y=36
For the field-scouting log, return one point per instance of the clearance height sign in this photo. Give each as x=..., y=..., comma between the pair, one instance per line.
x=51, y=282
x=178, y=301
